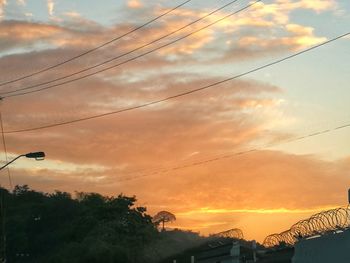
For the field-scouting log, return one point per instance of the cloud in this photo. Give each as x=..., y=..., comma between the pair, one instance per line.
x=134, y=4
x=300, y=37
x=315, y=5
x=268, y=188
x=271, y=16
x=253, y=26
x=72, y=14
x=134, y=146
x=245, y=37
x=248, y=35
x=34, y=36
x=3, y=3
x=104, y=96
x=16, y=34
x=21, y=2
x=50, y=7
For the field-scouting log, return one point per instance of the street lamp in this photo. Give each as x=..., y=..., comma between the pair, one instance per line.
x=36, y=155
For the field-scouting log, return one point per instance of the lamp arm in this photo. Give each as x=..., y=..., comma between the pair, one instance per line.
x=19, y=156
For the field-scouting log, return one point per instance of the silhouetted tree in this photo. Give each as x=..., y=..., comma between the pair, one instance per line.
x=162, y=217
x=91, y=228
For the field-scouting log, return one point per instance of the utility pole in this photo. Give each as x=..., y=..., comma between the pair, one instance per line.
x=2, y=228
x=2, y=200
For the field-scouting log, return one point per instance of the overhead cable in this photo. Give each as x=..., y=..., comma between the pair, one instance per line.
x=122, y=55
x=96, y=48
x=234, y=154
x=179, y=94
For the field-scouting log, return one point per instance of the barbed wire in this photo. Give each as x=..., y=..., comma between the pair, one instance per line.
x=225, y=237
x=322, y=223
x=234, y=233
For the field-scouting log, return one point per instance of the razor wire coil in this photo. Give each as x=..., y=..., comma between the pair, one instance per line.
x=329, y=221
x=234, y=233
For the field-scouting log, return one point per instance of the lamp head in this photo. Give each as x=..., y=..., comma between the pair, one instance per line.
x=36, y=155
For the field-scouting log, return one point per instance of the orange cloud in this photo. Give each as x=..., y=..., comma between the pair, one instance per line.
x=262, y=186
x=203, y=122
x=134, y=4
x=14, y=33
x=260, y=193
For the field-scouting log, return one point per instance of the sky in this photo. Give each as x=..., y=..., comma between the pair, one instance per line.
x=235, y=155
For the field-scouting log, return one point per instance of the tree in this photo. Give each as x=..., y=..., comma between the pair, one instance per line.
x=91, y=228
x=162, y=217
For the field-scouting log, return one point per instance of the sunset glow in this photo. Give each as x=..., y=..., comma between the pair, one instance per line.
x=230, y=155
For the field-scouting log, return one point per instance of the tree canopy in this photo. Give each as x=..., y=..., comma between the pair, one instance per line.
x=163, y=217
x=90, y=228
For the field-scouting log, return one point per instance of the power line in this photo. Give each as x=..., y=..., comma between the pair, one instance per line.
x=205, y=158
x=127, y=53
x=231, y=155
x=180, y=94
x=96, y=48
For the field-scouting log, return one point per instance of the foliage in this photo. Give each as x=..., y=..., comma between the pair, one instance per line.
x=91, y=228
x=163, y=217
